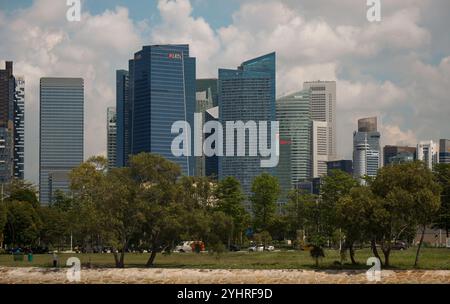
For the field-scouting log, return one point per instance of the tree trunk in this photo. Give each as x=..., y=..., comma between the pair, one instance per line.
x=416, y=262
x=352, y=254
x=373, y=245
x=151, y=259
x=386, y=253
x=116, y=258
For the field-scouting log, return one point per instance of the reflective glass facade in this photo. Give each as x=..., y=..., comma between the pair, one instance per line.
x=294, y=115
x=162, y=88
x=245, y=94
x=123, y=119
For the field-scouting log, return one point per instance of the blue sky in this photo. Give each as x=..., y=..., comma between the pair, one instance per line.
x=217, y=13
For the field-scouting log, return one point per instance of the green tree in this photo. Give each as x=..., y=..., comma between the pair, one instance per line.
x=354, y=212
x=23, y=224
x=22, y=191
x=442, y=220
x=230, y=200
x=334, y=186
x=265, y=192
x=409, y=196
x=297, y=211
x=158, y=190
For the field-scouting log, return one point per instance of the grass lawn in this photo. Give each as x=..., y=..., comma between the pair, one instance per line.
x=430, y=258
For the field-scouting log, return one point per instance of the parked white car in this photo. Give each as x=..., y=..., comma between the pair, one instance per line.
x=254, y=248
x=185, y=246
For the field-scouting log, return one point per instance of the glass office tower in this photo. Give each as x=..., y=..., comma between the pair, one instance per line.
x=162, y=91
x=247, y=94
x=294, y=115
x=61, y=133
x=123, y=118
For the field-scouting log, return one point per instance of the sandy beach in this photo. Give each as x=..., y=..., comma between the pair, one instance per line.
x=31, y=275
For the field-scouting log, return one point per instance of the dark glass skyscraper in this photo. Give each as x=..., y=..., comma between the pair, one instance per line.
x=7, y=88
x=247, y=94
x=162, y=91
x=123, y=118
x=12, y=125
x=61, y=133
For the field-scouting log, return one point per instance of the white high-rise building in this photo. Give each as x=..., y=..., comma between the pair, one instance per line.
x=320, y=148
x=428, y=152
x=323, y=109
x=366, y=149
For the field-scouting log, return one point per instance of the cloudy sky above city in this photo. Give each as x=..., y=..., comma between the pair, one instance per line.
x=397, y=69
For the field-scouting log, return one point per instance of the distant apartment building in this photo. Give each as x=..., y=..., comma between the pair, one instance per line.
x=366, y=149
x=61, y=133
x=111, y=133
x=428, y=152
x=390, y=152
x=444, y=151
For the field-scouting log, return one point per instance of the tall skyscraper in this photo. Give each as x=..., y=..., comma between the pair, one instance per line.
x=19, y=129
x=323, y=108
x=294, y=115
x=7, y=92
x=444, y=151
x=366, y=149
x=247, y=94
x=61, y=133
x=123, y=118
x=111, y=131
x=162, y=91
x=392, y=151
x=428, y=152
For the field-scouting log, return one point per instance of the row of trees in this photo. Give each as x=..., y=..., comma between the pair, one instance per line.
x=151, y=205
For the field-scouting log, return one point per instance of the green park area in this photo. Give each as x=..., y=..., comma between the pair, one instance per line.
x=431, y=258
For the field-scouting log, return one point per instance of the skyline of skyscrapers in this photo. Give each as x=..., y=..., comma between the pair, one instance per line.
x=247, y=94
x=162, y=91
x=162, y=83
x=61, y=132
